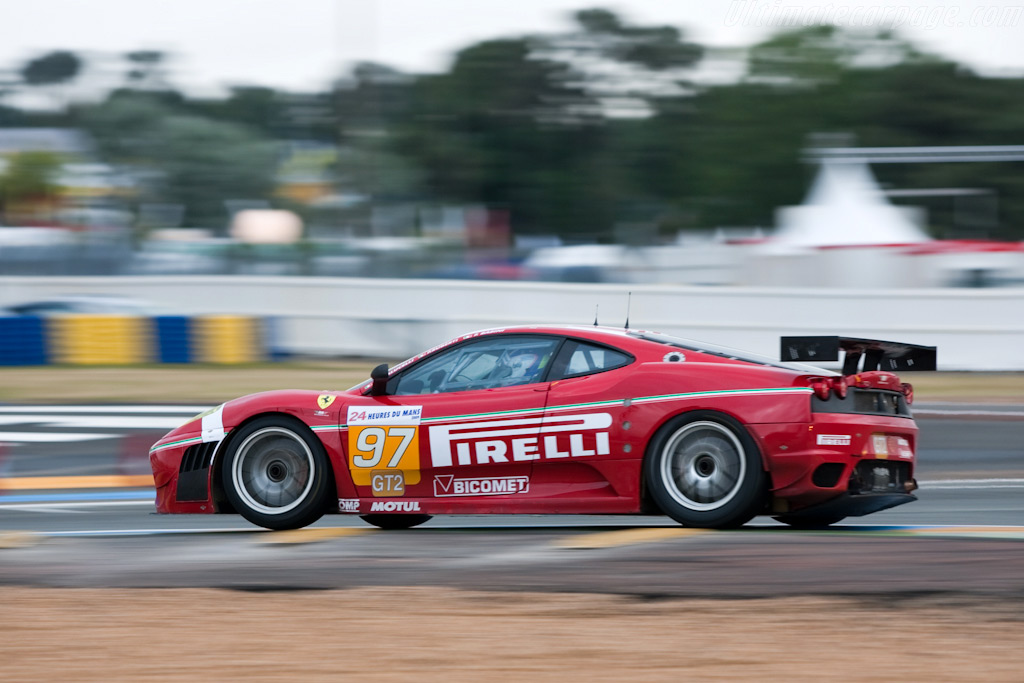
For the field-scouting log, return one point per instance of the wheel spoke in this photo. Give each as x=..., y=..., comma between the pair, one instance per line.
x=703, y=465
x=273, y=470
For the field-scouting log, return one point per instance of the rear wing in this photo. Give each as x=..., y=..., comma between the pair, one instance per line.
x=861, y=355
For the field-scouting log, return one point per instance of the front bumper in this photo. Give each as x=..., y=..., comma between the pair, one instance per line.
x=182, y=474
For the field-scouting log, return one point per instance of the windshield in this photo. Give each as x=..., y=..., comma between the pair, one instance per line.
x=726, y=352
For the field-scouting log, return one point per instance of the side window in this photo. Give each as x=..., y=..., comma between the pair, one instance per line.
x=587, y=359
x=485, y=364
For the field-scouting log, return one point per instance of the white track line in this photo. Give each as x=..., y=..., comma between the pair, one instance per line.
x=95, y=421
x=972, y=484
x=52, y=437
x=952, y=528
x=972, y=413
x=65, y=505
x=136, y=409
x=146, y=532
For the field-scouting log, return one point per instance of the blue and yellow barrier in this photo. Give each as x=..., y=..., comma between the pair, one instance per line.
x=22, y=341
x=99, y=340
x=227, y=339
x=132, y=340
x=173, y=339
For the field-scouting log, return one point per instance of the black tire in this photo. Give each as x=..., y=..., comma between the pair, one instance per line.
x=815, y=522
x=704, y=470
x=276, y=473
x=394, y=522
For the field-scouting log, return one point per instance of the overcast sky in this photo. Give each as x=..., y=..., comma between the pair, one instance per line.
x=303, y=44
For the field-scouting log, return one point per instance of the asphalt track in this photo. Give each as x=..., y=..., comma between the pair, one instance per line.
x=74, y=512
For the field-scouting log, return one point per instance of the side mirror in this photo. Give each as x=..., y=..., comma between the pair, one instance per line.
x=379, y=375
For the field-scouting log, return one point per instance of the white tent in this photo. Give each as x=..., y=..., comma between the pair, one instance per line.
x=845, y=207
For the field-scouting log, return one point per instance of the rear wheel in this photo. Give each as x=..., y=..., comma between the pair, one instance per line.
x=392, y=522
x=704, y=470
x=276, y=473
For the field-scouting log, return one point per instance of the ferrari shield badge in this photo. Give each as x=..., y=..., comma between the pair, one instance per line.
x=324, y=401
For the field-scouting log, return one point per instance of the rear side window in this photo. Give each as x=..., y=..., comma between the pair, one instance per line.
x=583, y=358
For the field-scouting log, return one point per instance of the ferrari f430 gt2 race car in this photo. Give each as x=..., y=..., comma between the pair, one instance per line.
x=553, y=420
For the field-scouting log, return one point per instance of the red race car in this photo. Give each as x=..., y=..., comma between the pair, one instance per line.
x=563, y=420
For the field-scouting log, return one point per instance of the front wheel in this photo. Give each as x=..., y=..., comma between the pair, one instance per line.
x=276, y=473
x=704, y=470
x=394, y=522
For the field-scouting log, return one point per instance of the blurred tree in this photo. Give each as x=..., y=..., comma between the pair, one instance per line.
x=933, y=103
x=8, y=82
x=605, y=37
x=257, y=107
x=123, y=125
x=375, y=97
x=282, y=115
x=146, y=70
x=731, y=154
x=187, y=159
x=823, y=54
x=526, y=125
x=506, y=130
x=576, y=132
x=206, y=162
x=52, y=68
x=12, y=116
x=29, y=178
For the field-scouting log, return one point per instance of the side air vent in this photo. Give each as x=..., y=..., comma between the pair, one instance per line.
x=197, y=457
x=826, y=476
x=194, y=473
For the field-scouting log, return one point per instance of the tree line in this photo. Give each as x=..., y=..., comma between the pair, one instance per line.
x=585, y=133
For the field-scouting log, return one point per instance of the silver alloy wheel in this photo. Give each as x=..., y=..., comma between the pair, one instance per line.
x=273, y=470
x=703, y=466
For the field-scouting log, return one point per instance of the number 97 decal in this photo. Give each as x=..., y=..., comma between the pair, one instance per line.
x=372, y=443
x=382, y=441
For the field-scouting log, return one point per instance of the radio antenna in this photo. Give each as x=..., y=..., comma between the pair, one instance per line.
x=629, y=300
x=596, y=306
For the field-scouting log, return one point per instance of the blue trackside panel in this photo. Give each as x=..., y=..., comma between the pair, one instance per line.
x=172, y=334
x=272, y=336
x=22, y=340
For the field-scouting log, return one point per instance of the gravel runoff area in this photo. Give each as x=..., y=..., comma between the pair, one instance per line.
x=412, y=634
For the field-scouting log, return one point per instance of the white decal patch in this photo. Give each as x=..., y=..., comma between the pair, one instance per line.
x=213, y=425
x=520, y=440
x=448, y=485
x=395, y=506
x=392, y=415
x=348, y=505
x=834, y=439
